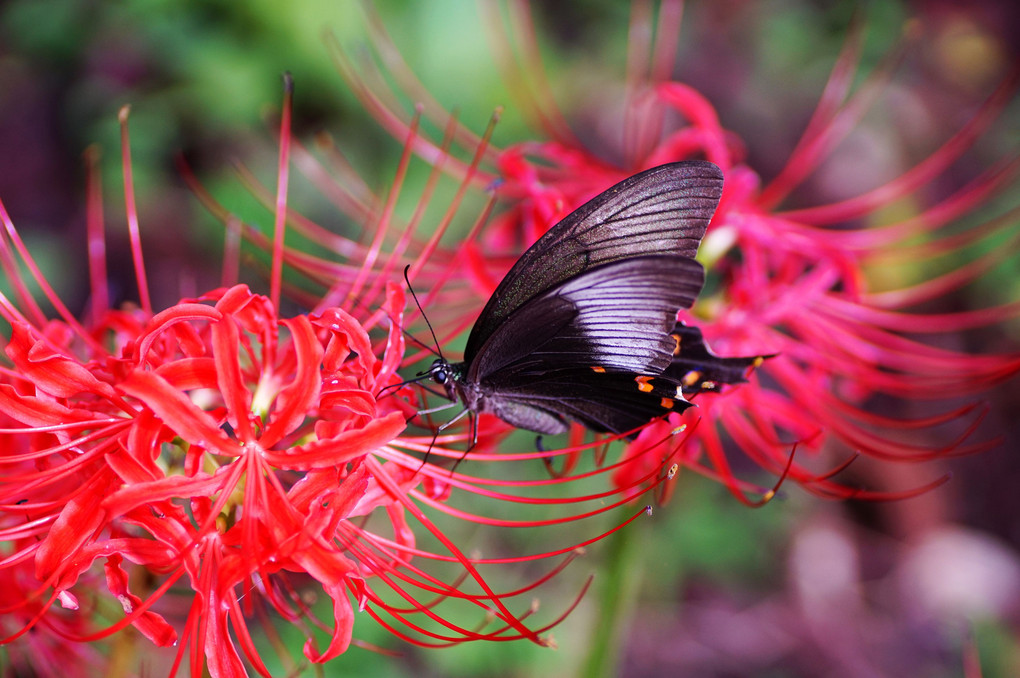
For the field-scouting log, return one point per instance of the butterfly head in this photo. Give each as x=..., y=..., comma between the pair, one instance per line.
x=446, y=375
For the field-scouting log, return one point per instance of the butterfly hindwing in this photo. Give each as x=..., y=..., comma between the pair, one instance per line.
x=617, y=402
x=696, y=368
x=664, y=210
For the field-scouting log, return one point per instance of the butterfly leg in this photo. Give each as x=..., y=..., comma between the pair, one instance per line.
x=460, y=415
x=442, y=427
x=440, y=408
x=473, y=427
x=472, y=433
x=424, y=460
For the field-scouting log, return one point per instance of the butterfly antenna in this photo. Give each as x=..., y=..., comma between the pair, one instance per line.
x=414, y=296
x=414, y=339
x=386, y=390
x=419, y=342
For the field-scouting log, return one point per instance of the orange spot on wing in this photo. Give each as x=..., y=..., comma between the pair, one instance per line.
x=643, y=384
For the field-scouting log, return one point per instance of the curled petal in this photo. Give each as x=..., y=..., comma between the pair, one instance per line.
x=78, y=523
x=298, y=397
x=149, y=624
x=342, y=448
x=33, y=411
x=343, y=625
x=50, y=371
x=179, y=313
x=347, y=337
x=178, y=412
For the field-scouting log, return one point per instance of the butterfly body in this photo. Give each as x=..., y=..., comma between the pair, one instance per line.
x=583, y=327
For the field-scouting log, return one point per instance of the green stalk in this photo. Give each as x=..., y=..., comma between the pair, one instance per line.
x=617, y=595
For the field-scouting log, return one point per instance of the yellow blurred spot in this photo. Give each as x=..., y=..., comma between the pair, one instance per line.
x=676, y=338
x=969, y=56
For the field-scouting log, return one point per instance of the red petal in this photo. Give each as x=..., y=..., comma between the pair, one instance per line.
x=180, y=313
x=177, y=411
x=342, y=448
x=224, y=662
x=50, y=371
x=393, y=354
x=172, y=487
x=296, y=399
x=343, y=625
x=78, y=522
x=149, y=624
x=347, y=335
x=226, y=353
x=190, y=373
x=33, y=411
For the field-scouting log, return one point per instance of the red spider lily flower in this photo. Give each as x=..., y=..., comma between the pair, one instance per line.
x=795, y=283
x=218, y=449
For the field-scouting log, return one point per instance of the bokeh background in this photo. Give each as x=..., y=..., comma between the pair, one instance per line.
x=802, y=587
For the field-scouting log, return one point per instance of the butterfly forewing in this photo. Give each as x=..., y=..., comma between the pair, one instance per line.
x=664, y=210
x=616, y=316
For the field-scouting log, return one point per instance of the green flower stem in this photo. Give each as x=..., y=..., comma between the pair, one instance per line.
x=617, y=596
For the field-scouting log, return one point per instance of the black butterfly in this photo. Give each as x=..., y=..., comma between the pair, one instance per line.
x=583, y=327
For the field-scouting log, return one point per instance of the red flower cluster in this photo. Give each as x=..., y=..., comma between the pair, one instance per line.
x=220, y=443
x=217, y=448
x=791, y=283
